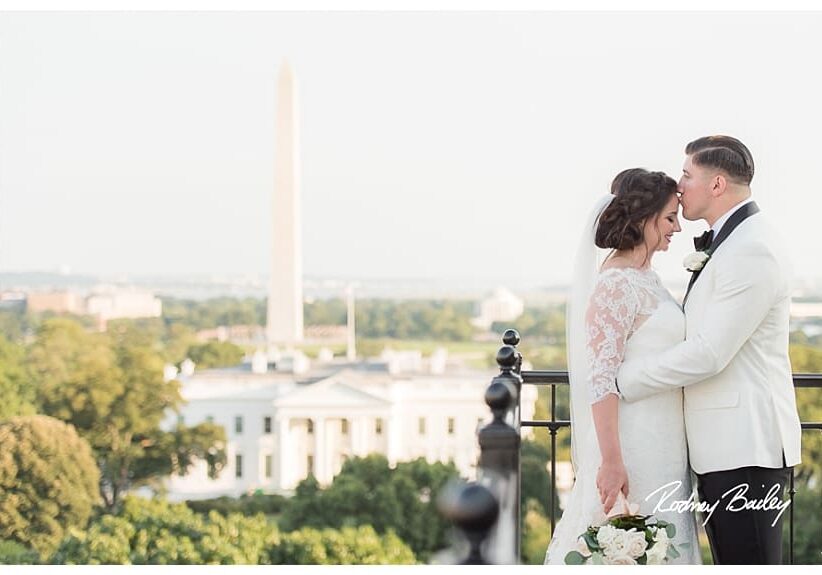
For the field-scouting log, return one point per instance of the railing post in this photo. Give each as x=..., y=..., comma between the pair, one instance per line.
x=791, y=493
x=474, y=510
x=500, y=456
x=511, y=338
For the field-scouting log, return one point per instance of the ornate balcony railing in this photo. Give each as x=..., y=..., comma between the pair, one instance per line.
x=494, y=530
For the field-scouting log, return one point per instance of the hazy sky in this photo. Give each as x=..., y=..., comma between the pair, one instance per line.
x=441, y=145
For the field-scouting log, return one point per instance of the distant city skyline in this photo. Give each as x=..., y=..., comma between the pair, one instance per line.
x=459, y=147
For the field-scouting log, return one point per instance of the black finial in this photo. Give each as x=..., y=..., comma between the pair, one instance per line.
x=474, y=510
x=498, y=397
x=506, y=357
x=511, y=337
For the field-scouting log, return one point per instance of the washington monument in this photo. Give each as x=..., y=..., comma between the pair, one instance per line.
x=285, y=297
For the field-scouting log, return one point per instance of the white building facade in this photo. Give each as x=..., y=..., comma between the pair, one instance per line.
x=280, y=430
x=502, y=305
x=109, y=302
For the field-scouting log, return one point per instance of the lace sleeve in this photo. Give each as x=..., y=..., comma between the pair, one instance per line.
x=611, y=312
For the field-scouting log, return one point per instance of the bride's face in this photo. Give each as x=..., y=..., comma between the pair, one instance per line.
x=659, y=230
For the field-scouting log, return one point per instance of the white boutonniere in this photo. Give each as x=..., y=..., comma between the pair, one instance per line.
x=696, y=261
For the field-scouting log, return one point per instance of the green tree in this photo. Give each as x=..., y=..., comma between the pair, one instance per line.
x=807, y=359
x=544, y=324
x=362, y=493
x=214, y=312
x=305, y=508
x=535, y=480
x=535, y=500
x=177, y=340
x=175, y=452
x=15, y=389
x=14, y=553
x=171, y=340
x=807, y=510
x=265, y=503
x=439, y=320
x=349, y=546
x=215, y=354
x=156, y=532
x=536, y=533
x=326, y=312
x=48, y=481
x=76, y=376
x=111, y=388
x=418, y=484
x=807, y=505
x=367, y=491
x=14, y=323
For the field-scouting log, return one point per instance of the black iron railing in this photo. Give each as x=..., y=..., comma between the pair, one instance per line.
x=500, y=457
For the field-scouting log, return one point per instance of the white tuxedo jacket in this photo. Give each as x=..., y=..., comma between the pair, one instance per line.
x=740, y=405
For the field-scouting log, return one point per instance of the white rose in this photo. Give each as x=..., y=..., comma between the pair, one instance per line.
x=606, y=535
x=582, y=548
x=621, y=559
x=617, y=545
x=695, y=261
x=635, y=543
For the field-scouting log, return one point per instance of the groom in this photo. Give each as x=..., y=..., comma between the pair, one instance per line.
x=740, y=409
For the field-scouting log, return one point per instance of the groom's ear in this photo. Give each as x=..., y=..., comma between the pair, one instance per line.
x=719, y=183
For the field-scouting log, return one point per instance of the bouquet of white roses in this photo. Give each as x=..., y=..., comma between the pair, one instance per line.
x=627, y=540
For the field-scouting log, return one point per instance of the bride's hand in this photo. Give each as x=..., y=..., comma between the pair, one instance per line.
x=611, y=479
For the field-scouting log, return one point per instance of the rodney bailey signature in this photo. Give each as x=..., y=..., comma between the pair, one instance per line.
x=738, y=501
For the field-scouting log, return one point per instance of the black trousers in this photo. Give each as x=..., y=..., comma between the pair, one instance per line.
x=740, y=536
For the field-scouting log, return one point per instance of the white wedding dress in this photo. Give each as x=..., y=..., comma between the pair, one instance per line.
x=631, y=315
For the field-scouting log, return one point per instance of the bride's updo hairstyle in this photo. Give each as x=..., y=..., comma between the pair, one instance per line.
x=640, y=195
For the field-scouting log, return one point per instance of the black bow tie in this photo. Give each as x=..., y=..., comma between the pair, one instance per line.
x=701, y=243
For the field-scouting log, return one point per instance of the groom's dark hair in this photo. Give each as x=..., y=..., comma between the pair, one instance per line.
x=723, y=153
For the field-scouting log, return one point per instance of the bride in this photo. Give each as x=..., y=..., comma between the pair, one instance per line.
x=624, y=453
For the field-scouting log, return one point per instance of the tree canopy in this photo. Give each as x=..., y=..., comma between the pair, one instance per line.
x=156, y=532
x=48, y=481
x=111, y=388
x=215, y=354
x=369, y=492
x=15, y=388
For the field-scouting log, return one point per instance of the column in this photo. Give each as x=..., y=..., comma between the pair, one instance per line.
x=285, y=462
x=359, y=437
x=320, y=452
x=392, y=427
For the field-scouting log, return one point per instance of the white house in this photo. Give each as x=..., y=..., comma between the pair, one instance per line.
x=281, y=426
x=502, y=305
